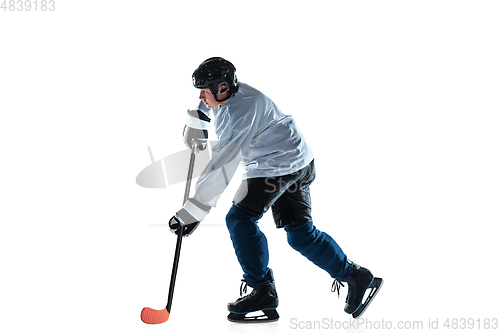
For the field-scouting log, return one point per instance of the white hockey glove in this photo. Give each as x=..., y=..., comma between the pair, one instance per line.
x=196, y=129
x=189, y=217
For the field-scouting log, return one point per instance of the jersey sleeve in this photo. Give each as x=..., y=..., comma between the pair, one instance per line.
x=236, y=131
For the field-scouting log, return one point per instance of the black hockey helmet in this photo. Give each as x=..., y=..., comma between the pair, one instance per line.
x=215, y=72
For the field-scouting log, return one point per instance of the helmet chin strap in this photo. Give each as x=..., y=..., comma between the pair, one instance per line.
x=222, y=100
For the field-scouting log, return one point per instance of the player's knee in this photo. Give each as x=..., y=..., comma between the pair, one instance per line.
x=238, y=218
x=297, y=234
x=231, y=216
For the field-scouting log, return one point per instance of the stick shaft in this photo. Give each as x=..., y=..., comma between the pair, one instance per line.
x=179, y=237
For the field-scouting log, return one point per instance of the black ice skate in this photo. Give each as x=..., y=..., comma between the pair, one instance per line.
x=262, y=298
x=360, y=281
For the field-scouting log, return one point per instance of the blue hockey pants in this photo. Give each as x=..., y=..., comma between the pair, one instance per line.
x=291, y=211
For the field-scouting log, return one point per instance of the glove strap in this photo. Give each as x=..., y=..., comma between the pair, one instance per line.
x=196, y=209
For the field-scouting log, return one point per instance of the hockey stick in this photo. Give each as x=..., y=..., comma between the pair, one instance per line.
x=152, y=316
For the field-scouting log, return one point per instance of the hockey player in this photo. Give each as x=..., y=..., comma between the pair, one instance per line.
x=279, y=168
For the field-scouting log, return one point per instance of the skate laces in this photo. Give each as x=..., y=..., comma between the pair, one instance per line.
x=243, y=290
x=336, y=286
x=243, y=287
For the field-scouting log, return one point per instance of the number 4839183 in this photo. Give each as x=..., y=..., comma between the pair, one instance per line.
x=28, y=5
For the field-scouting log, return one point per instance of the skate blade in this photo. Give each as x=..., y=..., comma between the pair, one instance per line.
x=375, y=287
x=270, y=315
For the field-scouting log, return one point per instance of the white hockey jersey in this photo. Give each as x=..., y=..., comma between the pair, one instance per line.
x=253, y=132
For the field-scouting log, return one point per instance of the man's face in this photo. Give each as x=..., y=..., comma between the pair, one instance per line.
x=208, y=98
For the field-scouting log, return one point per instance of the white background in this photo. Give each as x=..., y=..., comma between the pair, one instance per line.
x=398, y=99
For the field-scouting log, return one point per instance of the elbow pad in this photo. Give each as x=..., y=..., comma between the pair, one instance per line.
x=196, y=129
